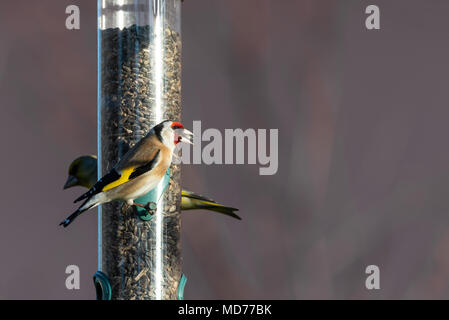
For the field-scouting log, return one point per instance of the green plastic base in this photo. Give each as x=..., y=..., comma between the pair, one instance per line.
x=102, y=286
x=181, y=285
x=104, y=291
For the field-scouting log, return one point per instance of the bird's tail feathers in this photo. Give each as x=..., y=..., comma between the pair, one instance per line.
x=83, y=196
x=88, y=204
x=192, y=195
x=70, y=218
x=229, y=211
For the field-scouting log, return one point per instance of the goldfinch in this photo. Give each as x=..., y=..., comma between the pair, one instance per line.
x=83, y=172
x=138, y=172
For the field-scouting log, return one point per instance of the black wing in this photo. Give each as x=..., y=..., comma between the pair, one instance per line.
x=110, y=177
x=114, y=175
x=145, y=168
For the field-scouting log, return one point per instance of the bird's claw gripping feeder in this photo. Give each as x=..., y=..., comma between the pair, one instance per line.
x=139, y=85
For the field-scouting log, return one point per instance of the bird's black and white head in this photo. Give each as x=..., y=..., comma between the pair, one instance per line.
x=172, y=132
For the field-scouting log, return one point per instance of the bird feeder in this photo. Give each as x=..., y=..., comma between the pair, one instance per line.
x=139, y=86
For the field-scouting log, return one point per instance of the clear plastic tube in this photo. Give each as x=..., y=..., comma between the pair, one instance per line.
x=139, y=86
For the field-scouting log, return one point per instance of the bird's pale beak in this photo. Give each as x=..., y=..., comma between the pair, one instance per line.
x=71, y=182
x=186, y=136
x=184, y=139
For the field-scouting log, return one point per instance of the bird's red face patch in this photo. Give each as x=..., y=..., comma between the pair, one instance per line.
x=177, y=138
x=176, y=125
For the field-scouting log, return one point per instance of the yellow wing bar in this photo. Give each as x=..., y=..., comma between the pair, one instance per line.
x=124, y=177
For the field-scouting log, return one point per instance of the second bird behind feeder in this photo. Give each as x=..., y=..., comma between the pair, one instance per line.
x=138, y=172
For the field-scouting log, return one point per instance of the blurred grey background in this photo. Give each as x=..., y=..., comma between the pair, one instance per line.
x=363, y=160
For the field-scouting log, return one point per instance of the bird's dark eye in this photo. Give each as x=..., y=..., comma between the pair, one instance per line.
x=176, y=127
x=73, y=169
